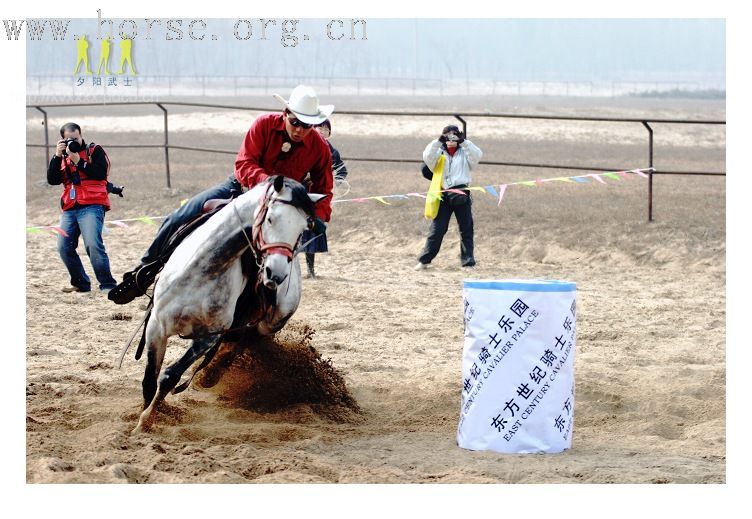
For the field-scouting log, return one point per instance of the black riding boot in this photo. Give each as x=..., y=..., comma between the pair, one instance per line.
x=309, y=259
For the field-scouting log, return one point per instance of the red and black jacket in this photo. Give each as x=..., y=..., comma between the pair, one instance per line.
x=84, y=183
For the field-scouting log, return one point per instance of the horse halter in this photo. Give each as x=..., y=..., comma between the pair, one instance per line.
x=258, y=244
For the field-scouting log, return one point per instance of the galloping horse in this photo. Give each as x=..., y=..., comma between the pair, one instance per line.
x=198, y=289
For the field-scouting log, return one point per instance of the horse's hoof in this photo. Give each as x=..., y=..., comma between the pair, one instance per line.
x=145, y=422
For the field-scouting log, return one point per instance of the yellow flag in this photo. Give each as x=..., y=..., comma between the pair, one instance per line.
x=434, y=192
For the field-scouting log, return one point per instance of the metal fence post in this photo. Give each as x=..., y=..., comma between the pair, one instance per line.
x=650, y=173
x=464, y=124
x=46, y=136
x=166, y=145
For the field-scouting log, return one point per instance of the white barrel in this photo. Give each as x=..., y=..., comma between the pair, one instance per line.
x=518, y=366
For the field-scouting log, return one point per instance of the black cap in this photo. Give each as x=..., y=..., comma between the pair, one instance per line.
x=451, y=128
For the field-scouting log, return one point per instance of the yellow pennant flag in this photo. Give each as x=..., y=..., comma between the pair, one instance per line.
x=433, y=200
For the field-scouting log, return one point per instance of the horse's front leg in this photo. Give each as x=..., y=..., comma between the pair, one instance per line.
x=171, y=376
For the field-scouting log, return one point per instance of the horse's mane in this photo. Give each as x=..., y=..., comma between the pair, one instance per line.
x=300, y=196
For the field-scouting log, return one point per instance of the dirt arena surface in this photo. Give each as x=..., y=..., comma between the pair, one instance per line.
x=364, y=384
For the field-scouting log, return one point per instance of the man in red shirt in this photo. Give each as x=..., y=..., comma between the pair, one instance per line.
x=276, y=144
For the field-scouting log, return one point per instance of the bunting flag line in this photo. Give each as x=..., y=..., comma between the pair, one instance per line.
x=146, y=219
x=119, y=223
x=491, y=189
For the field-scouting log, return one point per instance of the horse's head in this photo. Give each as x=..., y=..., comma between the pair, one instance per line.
x=285, y=211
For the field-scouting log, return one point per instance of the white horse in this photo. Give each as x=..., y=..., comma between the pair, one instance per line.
x=197, y=291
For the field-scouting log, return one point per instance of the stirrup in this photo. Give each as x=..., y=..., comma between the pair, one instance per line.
x=135, y=283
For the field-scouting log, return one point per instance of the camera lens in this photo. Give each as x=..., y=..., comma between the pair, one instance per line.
x=73, y=145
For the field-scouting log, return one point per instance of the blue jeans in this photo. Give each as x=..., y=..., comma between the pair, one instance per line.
x=86, y=221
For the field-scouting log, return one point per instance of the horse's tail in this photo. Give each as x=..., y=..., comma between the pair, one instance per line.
x=143, y=323
x=142, y=342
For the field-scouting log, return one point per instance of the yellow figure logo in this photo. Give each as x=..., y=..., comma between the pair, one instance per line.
x=82, y=55
x=104, y=60
x=125, y=55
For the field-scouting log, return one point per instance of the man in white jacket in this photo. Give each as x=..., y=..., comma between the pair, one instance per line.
x=460, y=157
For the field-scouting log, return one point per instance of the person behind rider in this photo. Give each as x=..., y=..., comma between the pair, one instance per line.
x=313, y=243
x=82, y=169
x=276, y=144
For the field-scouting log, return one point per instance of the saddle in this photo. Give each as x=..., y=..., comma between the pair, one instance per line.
x=136, y=282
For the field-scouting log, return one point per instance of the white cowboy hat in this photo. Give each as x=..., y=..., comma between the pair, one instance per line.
x=304, y=103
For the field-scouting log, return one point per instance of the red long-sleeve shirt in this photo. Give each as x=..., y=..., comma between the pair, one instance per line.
x=261, y=156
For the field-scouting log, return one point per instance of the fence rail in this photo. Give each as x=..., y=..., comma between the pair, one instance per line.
x=645, y=122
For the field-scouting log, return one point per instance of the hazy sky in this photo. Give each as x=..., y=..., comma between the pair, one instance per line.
x=511, y=49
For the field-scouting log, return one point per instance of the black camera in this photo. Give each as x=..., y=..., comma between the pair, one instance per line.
x=71, y=145
x=115, y=189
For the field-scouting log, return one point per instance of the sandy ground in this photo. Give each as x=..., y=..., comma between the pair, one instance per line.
x=364, y=384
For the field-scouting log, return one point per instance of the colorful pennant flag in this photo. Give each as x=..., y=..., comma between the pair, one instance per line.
x=502, y=190
x=57, y=229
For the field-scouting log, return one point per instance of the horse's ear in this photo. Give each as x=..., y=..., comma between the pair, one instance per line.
x=316, y=197
x=279, y=183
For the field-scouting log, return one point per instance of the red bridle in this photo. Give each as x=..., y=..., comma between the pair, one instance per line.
x=261, y=248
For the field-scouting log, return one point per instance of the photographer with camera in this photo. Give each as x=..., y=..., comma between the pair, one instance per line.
x=460, y=157
x=82, y=169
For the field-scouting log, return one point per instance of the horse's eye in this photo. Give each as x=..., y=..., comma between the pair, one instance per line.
x=269, y=220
